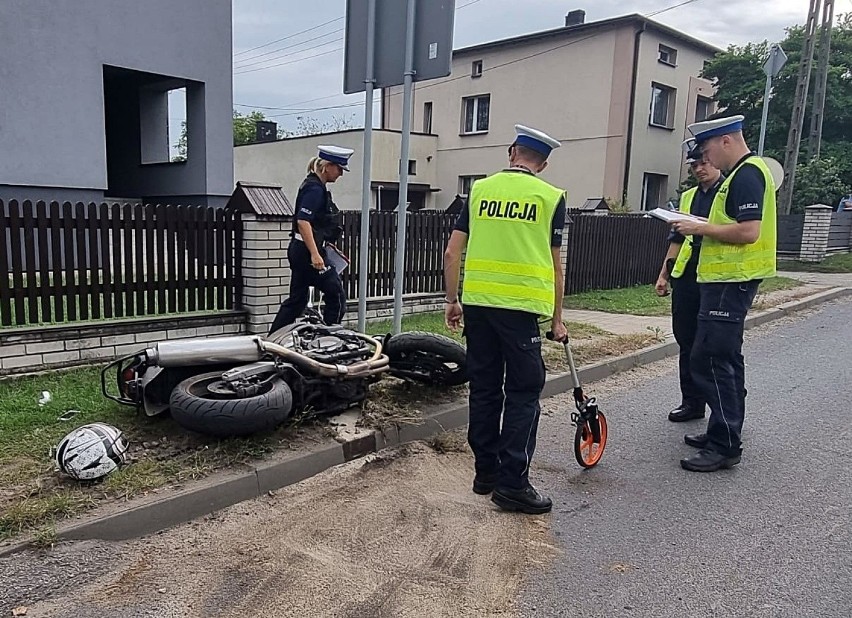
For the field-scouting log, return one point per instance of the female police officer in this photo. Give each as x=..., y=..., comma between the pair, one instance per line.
x=315, y=224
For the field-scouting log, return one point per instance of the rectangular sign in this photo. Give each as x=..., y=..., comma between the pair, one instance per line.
x=433, y=42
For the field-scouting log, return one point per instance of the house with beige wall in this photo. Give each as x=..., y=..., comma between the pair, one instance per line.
x=284, y=162
x=618, y=93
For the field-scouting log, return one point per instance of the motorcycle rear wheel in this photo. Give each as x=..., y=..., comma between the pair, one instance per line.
x=427, y=357
x=197, y=407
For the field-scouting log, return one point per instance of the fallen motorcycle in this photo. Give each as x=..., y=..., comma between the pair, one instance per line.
x=241, y=385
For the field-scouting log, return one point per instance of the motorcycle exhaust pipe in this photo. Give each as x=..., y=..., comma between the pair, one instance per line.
x=202, y=351
x=374, y=364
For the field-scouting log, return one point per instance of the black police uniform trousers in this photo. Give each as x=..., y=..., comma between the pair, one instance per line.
x=686, y=300
x=303, y=276
x=506, y=374
x=718, y=367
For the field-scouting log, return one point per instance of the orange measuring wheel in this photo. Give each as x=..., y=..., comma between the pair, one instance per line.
x=590, y=437
x=590, y=440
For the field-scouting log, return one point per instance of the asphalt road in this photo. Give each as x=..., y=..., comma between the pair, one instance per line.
x=639, y=536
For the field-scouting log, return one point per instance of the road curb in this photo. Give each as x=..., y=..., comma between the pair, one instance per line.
x=164, y=512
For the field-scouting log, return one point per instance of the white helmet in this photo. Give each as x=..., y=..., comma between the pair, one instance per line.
x=91, y=451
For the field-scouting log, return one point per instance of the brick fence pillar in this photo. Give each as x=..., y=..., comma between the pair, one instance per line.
x=266, y=273
x=815, y=233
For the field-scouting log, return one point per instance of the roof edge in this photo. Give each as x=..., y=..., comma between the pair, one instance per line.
x=601, y=24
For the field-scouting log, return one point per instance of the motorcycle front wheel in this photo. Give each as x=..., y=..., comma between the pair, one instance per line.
x=205, y=405
x=427, y=357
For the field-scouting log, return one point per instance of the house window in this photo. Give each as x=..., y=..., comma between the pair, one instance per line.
x=475, y=112
x=703, y=108
x=466, y=182
x=667, y=55
x=476, y=68
x=162, y=124
x=427, y=117
x=412, y=167
x=653, y=190
x=662, y=106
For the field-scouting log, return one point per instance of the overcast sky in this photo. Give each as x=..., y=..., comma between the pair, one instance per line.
x=310, y=74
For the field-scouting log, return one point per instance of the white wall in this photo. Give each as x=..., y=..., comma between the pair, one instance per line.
x=657, y=150
x=284, y=162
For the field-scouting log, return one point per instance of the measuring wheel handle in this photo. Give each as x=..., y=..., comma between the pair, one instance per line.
x=591, y=434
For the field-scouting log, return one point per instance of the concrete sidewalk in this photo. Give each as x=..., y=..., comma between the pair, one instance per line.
x=832, y=280
x=627, y=324
x=619, y=323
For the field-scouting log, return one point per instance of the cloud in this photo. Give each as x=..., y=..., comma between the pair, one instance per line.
x=257, y=22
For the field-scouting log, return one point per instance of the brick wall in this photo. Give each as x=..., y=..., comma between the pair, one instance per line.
x=266, y=272
x=815, y=233
x=24, y=350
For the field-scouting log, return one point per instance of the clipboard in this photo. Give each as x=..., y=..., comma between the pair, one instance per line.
x=335, y=258
x=670, y=216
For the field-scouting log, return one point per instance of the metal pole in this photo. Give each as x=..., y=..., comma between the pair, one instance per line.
x=366, y=172
x=766, y=94
x=399, y=261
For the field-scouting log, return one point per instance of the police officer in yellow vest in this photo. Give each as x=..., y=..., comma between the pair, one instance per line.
x=737, y=253
x=512, y=228
x=679, y=269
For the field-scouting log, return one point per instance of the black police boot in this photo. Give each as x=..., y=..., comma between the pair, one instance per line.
x=685, y=412
x=483, y=484
x=698, y=440
x=709, y=461
x=526, y=500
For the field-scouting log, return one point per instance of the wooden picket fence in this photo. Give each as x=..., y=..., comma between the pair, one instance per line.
x=68, y=262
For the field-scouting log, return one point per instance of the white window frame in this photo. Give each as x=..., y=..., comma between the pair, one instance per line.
x=698, y=101
x=427, y=117
x=670, y=105
x=663, y=187
x=468, y=180
x=476, y=103
x=670, y=53
x=476, y=69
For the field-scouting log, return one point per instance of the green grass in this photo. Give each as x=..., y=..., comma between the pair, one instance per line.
x=636, y=300
x=642, y=300
x=33, y=496
x=777, y=284
x=841, y=263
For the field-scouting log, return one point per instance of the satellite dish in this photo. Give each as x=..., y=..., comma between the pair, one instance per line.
x=776, y=169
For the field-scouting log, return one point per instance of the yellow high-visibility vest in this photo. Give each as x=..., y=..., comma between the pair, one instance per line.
x=726, y=262
x=509, y=263
x=685, y=252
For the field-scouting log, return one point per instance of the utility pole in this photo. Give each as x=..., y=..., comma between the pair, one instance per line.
x=794, y=137
x=815, y=140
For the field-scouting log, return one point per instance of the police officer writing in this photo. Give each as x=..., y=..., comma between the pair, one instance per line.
x=679, y=268
x=315, y=225
x=512, y=228
x=737, y=252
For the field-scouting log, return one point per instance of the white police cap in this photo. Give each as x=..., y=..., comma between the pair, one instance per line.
x=691, y=150
x=535, y=140
x=336, y=154
x=711, y=128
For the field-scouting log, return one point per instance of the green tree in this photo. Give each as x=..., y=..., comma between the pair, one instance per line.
x=817, y=182
x=245, y=129
x=740, y=81
x=244, y=126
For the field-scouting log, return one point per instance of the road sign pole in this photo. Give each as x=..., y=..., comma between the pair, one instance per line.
x=763, y=120
x=772, y=67
x=408, y=79
x=366, y=172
